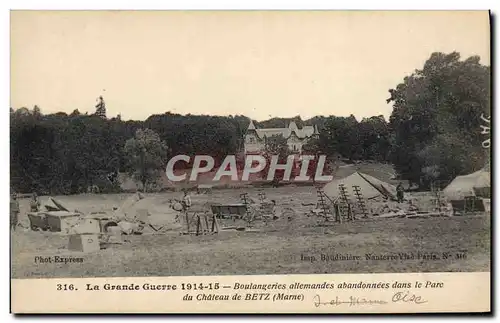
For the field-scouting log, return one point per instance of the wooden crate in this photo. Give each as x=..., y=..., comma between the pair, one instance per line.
x=38, y=220
x=104, y=220
x=487, y=205
x=84, y=242
x=62, y=221
x=229, y=210
x=86, y=225
x=467, y=205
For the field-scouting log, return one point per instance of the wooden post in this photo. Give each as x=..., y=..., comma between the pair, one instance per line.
x=187, y=221
x=216, y=225
x=198, y=224
x=206, y=222
x=244, y=197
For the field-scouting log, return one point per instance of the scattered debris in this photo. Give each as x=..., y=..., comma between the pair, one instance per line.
x=308, y=204
x=137, y=214
x=200, y=223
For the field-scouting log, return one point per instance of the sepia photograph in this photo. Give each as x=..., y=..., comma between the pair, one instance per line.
x=221, y=143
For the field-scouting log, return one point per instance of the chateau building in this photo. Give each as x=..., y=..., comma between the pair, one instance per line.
x=255, y=139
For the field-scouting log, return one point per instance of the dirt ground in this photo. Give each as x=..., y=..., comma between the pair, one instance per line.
x=299, y=246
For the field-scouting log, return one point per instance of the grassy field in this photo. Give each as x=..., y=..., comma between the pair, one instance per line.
x=280, y=248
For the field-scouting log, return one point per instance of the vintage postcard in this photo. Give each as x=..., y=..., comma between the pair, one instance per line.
x=250, y=161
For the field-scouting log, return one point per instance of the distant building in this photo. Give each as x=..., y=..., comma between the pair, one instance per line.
x=255, y=139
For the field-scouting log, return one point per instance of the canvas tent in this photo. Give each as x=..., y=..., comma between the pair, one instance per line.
x=475, y=184
x=370, y=187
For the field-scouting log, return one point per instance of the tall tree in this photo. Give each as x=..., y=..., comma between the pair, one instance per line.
x=100, y=108
x=374, y=139
x=146, y=154
x=341, y=136
x=437, y=112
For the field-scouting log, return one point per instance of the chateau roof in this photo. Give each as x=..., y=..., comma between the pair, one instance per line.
x=305, y=132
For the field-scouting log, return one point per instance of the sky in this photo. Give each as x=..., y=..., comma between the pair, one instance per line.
x=260, y=64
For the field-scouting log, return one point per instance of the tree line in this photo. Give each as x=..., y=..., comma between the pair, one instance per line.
x=433, y=134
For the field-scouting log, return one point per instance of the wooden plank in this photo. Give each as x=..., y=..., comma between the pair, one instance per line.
x=198, y=225
x=24, y=195
x=206, y=222
x=217, y=225
x=58, y=204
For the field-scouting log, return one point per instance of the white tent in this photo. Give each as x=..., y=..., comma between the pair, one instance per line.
x=370, y=187
x=468, y=185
